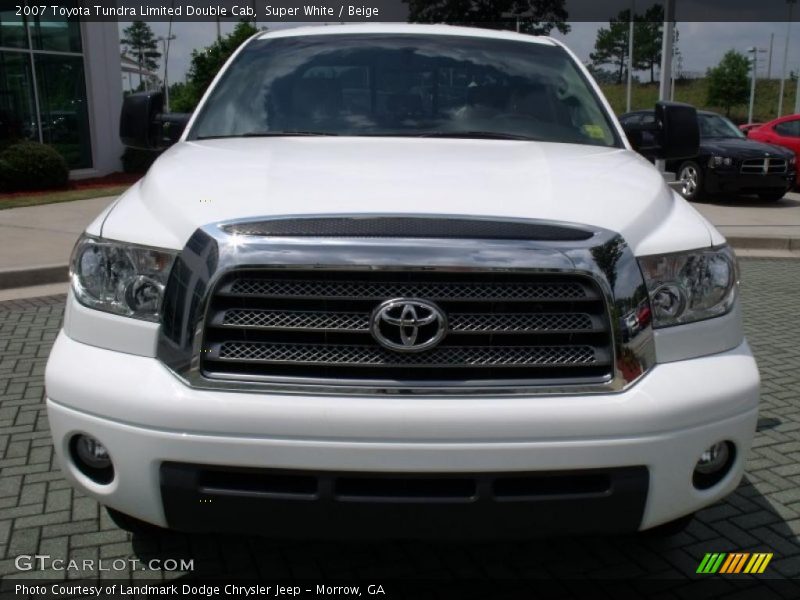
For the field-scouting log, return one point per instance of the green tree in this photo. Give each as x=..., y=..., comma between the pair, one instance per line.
x=647, y=37
x=727, y=82
x=536, y=17
x=141, y=44
x=611, y=44
x=602, y=76
x=205, y=65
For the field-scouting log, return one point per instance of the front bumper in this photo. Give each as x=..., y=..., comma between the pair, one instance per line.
x=718, y=180
x=147, y=418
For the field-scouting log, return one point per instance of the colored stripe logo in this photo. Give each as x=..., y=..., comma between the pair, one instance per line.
x=734, y=562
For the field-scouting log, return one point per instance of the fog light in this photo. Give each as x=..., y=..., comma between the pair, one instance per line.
x=92, y=458
x=713, y=464
x=92, y=452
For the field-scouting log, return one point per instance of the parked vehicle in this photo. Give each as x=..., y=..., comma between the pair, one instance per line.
x=785, y=132
x=390, y=281
x=727, y=162
x=745, y=127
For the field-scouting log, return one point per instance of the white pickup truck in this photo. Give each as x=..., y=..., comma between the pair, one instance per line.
x=403, y=281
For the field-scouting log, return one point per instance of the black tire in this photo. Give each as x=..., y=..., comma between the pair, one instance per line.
x=132, y=524
x=771, y=196
x=693, y=190
x=669, y=529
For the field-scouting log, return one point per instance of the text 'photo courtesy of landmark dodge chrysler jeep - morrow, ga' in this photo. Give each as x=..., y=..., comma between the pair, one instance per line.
x=402, y=281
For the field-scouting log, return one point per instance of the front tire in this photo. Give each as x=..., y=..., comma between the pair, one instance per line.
x=771, y=196
x=692, y=177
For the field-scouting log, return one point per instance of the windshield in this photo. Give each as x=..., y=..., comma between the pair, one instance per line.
x=404, y=85
x=717, y=126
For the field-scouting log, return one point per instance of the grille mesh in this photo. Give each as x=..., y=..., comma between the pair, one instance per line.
x=296, y=319
x=365, y=355
x=522, y=322
x=383, y=290
x=269, y=319
x=305, y=326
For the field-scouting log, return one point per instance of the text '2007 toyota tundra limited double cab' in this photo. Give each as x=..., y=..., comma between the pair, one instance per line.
x=404, y=281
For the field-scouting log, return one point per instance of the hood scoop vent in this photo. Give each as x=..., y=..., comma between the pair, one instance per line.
x=408, y=227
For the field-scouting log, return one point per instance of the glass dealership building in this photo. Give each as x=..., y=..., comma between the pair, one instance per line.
x=60, y=84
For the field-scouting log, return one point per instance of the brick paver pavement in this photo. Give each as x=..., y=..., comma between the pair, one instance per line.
x=41, y=514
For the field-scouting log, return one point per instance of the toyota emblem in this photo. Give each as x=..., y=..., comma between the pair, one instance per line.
x=408, y=324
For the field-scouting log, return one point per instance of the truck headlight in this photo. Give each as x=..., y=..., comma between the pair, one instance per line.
x=690, y=286
x=120, y=278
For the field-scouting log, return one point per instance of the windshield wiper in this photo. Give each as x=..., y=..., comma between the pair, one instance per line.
x=269, y=134
x=478, y=135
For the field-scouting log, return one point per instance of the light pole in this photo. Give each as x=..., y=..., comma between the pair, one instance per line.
x=165, y=47
x=785, y=57
x=769, y=62
x=797, y=95
x=630, y=59
x=754, y=51
x=667, y=41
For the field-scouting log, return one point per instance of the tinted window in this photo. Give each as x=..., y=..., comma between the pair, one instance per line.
x=404, y=85
x=789, y=128
x=62, y=107
x=648, y=119
x=17, y=104
x=12, y=28
x=717, y=126
x=54, y=33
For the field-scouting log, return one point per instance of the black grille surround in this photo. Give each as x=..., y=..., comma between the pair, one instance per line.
x=764, y=166
x=313, y=325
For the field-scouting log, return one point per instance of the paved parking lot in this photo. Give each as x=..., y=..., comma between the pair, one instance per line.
x=40, y=514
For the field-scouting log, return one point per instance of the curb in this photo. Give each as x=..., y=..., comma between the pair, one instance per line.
x=764, y=243
x=31, y=276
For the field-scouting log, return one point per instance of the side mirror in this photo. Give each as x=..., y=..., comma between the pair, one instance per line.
x=145, y=126
x=674, y=134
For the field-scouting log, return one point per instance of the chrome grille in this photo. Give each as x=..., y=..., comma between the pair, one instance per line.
x=764, y=166
x=313, y=326
x=290, y=319
x=383, y=290
x=448, y=356
x=522, y=322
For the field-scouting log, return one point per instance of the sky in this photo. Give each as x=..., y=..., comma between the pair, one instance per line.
x=701, y=44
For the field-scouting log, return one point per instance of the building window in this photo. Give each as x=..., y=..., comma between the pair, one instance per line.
x=56, y=35
x=43, y=86
x=62, y=107
x=13, y=33
x=17, y=105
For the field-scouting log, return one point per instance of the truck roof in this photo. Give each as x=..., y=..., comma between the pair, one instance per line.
x=401, y=28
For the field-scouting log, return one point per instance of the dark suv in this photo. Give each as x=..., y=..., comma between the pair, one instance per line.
x=727, y=161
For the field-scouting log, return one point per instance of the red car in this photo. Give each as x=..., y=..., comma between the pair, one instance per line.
x=745, y=127
x=784, y=131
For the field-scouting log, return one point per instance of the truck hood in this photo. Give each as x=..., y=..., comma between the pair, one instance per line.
x=201, y=182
